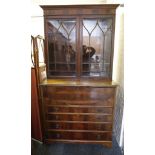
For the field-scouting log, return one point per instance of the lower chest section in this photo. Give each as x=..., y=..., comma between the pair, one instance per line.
x=78, y=114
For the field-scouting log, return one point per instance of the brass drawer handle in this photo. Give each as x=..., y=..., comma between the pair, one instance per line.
x=56, y=109
x=56, y=117
x=57, y=126
x=98, y=137
x=58, y=135
x=99, y=126
x=99, y=110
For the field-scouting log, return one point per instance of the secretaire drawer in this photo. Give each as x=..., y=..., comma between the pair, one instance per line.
x=78, y=93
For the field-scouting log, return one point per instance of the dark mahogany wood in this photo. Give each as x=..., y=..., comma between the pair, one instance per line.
x=79, y=9
x=78, y=97
x=74, y=125
x=79, y=135
x=77, y=109
x=78, y=13
x=74, y=112
x=108, y=102
x=103, y=142
x=79, y=117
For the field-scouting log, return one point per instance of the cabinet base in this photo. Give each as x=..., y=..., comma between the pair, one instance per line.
x=104, y=143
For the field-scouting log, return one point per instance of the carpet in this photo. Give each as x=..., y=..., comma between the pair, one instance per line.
x=74, y=149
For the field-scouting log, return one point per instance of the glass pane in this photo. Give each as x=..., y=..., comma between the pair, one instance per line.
x=61, y=46
x=96, y=47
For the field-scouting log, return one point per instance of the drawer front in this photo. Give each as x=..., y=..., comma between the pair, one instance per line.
x=79, y=117
x=78, y=109
x=78, y=93
x=79, y=135
x=78, y=113
x=68, y=102
x=80, y=126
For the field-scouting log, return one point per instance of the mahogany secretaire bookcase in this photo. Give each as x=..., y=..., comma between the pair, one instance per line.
x=78, y=96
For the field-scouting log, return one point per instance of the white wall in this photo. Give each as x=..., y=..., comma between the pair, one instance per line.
x=37, y=25
x=68, y=2
x=37, y=20
x=118, y=74
x=118, y=62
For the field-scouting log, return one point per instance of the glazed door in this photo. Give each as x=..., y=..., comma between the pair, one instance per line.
x=61, y=39
x=97, y=34
x=80, y=46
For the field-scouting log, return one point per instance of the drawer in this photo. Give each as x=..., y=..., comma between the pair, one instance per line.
x=78, y=93
x=106, y=102
x=78, y=135
x=79, y=109
x=79, y=126
x=79, y=117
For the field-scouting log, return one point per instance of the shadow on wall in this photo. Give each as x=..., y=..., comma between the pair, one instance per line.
x=119, y=75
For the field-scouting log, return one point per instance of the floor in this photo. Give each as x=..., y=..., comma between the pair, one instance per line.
x=74, y=149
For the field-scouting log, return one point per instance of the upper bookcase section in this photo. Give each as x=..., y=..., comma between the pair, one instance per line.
x=79, y=40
